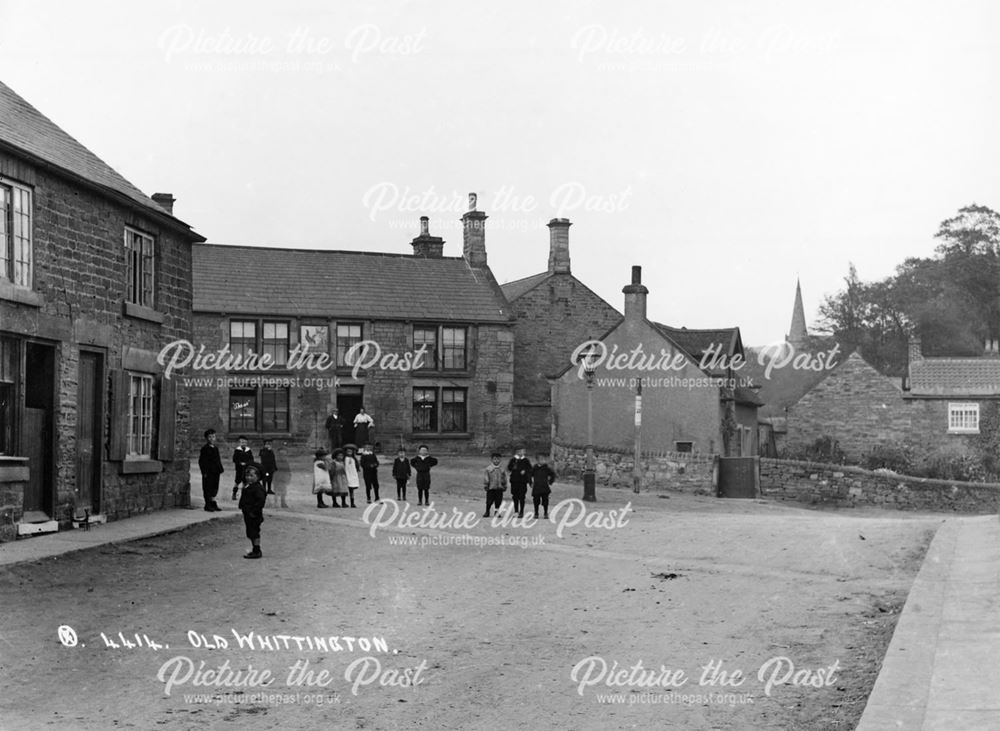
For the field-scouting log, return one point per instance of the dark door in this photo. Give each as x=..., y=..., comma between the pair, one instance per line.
x=35, y=438
x=88, y=433
x=738, y=477
x=350, y=399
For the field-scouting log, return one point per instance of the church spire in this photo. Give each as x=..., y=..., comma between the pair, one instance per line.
x=798, y=336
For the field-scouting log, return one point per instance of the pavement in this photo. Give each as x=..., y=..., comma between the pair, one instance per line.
x=941, y=670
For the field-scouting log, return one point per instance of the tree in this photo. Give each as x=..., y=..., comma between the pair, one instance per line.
x=952, y=301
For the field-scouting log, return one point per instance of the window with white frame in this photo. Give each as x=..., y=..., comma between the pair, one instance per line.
x=15, y=233
x=139, y=255
x=348, y=335
x=963, y=418
x=140, y=416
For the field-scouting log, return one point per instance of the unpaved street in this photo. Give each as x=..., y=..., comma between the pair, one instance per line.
x=690, y=596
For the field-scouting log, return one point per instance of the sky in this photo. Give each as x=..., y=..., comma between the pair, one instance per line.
x=729, y=148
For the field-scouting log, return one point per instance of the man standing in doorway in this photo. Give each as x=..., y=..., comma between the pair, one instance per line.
x=335, y=430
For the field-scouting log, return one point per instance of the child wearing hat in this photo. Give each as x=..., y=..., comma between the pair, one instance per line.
x=338, y=478
x=321, y=478
x=252, y=505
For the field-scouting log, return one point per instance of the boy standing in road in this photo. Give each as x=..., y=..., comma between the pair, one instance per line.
x=210, y=464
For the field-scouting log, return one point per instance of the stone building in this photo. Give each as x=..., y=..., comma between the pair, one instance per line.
x=553, y=313
x=939, y=407
x=692, y=399
x=342, y=330
x=95, y=278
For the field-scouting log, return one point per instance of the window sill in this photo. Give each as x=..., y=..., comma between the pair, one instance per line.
x=13, y=469
x=963, y=431
x=141, y=466
x=22, y=295
x=139, y=312
x=431, y=436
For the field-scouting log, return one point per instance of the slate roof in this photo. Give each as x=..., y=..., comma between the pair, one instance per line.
x=513, y=290
x=27, y=130
x=782, y=387
x=955, y=377
x=356, y=284
x=697, y=342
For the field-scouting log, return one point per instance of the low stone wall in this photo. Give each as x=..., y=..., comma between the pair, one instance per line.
x=681, y=471
x=843, y=486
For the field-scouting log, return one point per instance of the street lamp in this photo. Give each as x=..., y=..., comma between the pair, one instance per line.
x=588, y=360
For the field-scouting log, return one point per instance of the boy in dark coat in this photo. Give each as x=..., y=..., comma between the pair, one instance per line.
x=210, y=464
x=519, y=468
x=401, y=470
x=369, y=471
x=422, y=464
x=252, y=504
x=242, y=456
x=542, y=478
x=269, y=464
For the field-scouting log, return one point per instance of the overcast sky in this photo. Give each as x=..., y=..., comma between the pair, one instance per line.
x=727, y=147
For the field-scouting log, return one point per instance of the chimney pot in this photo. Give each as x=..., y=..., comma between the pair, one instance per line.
x=635, y=296
x=425, y=245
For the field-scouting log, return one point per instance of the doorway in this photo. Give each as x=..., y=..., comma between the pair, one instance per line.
x=39, y=399
x=350, y=399
x=89, y=398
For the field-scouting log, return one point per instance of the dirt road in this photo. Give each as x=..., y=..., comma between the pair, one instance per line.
x=656, y=612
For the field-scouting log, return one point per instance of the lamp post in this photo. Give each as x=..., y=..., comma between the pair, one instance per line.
x=589, y=362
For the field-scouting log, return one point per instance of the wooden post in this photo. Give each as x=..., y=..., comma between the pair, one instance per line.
x=637, y=464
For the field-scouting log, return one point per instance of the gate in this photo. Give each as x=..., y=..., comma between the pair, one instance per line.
x=739, y=477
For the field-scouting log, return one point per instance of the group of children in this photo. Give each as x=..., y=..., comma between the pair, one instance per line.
x=337, y=474
x=522, y=473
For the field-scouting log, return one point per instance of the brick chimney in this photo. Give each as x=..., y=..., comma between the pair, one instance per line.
x=425, y=245
x=164, y=201
x=474, y=234
x=635, y=296
x=559, y=246
x=915, y=352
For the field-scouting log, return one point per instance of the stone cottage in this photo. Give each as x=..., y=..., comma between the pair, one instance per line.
x=692, y=399
x=342, y=330
x=95, y=279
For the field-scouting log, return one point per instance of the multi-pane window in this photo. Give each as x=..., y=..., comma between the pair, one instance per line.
x=452, y=353
x=15, y=234
x=271, y=416
x=242, y=337
x=274, y=409
x=439, y=410
x=424, y=409
x=426, y=337
x=242, y=410
x=275, y=342
x=453, y=348
x=272, y=341
x=140, y=416
x=348, y=335
x=963, y=418
x=453, y=409
x=139, y=256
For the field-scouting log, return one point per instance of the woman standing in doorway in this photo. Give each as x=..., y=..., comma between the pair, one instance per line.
x=362, y=425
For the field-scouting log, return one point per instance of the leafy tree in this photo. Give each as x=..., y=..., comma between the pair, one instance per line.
x=952, y=301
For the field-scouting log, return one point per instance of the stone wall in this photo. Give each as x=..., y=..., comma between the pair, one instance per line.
x=77, y=302
x=551, y=320
x=681, y=471
x=387, y=393
x=841, y=486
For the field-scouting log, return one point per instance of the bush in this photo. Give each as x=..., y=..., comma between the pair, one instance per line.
x=947, y=464
x=897, y=458
x=825, y=450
